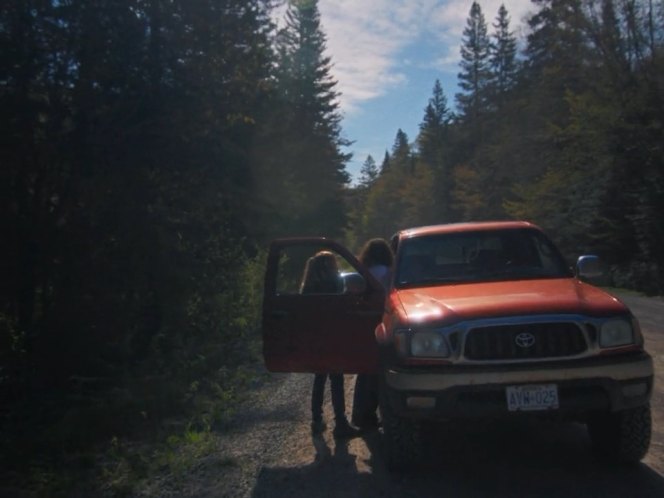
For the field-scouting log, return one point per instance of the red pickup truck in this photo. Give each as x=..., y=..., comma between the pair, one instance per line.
x=480, y=320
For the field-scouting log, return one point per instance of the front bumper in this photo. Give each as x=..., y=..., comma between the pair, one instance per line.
x=587, y=386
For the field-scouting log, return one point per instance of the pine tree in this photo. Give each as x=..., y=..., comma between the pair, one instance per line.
x=558, y=64
x=401, y=157
x=368, y=173
x=357, y=202
x=609, y=40
x=475, y=74
x=386, y=204
x=310, y=159
x=557, y=47
x=632, y=13
x=433, y=142
x=385, y=165
x=437, y=118
x=503, y=55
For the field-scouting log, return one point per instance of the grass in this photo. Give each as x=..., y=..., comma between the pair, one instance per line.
x=129, y=466
x=105, y=448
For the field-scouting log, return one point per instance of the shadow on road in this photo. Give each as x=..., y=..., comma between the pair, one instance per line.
x=332, y=473
x=497, y=459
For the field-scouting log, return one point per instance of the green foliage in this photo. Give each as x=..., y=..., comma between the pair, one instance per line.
x=387, y=201
x=301, y=175
x=434, y=161
x=475, y=75
x=132, y=286
x=467, y=197
x=368, y=173
x=503, y=57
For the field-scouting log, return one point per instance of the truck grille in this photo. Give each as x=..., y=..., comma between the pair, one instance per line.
x=524, y=341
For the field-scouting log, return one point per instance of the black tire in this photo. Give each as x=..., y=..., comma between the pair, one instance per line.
x=622, y=437
x=402, y=439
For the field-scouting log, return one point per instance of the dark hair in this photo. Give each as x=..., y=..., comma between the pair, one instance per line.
x=321, y=274
x=376, y=252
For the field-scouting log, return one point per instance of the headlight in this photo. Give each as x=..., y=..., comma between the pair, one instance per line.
x=429, y=344
x=616, y=333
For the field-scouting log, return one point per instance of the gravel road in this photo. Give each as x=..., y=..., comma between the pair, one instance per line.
x=268, y=451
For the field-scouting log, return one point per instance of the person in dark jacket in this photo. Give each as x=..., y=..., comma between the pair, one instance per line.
x=377, y=256
x=321, y=276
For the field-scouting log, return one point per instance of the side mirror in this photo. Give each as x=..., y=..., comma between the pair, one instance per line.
x=589, y=267
x=354, y=283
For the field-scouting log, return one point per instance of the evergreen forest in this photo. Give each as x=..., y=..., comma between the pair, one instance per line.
x=152, y=148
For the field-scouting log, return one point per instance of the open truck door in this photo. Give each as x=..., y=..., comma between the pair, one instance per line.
x=331, y=332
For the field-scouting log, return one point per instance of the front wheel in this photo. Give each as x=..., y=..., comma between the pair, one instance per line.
x=622, y=437
x=402, y=438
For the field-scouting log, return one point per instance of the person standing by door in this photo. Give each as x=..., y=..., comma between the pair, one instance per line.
x=321, y=276
x=377, y=256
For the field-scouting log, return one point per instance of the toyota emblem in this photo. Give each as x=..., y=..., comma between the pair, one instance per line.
x=524, y=340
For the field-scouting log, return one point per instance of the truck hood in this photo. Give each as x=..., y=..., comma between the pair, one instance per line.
x=453, y=303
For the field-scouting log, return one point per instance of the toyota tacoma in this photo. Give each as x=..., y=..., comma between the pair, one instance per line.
x=481, y=320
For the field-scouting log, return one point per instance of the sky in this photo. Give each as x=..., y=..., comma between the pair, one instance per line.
x=387, y=55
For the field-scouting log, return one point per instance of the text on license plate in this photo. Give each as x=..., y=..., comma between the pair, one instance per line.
x=532, y=397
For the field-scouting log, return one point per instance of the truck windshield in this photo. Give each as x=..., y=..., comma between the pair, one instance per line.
x=511, y=254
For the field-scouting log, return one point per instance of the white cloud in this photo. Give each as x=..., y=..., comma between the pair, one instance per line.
x=365, y=39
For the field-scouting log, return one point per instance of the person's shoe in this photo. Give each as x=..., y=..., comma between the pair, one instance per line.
x=369, y=423
x=318, y=427
x=343, y=430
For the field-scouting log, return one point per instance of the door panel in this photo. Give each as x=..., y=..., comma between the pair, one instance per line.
x=324, y=332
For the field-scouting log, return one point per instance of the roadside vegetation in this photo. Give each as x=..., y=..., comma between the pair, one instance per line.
x=151, y=149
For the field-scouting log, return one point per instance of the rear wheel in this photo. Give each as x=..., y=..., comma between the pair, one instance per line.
x=402, y=438
x=622, y=437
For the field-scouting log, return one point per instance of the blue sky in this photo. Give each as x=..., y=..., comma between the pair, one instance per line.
x=387, y=55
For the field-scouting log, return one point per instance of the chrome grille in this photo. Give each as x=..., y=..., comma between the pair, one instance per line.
x=549, y=340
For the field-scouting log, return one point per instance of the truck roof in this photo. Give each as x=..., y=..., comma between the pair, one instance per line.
x=464, y=227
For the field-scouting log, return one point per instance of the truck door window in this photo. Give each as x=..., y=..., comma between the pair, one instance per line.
x=310, y=269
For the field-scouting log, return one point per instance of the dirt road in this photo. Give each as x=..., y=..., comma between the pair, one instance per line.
x=269, y=451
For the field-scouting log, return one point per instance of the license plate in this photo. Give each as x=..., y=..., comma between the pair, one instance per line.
x=532, y=397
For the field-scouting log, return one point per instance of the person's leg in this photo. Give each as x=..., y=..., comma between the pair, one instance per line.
x=317, y=393
x=359, y=400
x=373, y=387
x=365, y=401
x=338, y=401
x=342, y=429
x=372, y=398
